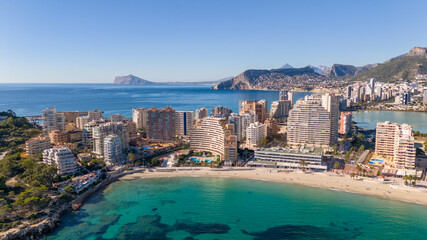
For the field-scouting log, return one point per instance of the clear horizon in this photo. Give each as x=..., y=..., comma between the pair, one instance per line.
x=191, y=41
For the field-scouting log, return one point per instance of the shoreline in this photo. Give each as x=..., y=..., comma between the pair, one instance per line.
x=324, y=180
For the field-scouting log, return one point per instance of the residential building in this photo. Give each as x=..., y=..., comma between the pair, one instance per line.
x=74, y=136
x=103, y=130
x=280, y=109
x=57, y=137
x=271, y=127
x=236, y=120
x=117, y=118
x=425, y=96
x=221, y=111
x=246, y=119
x=161, y=124
x=93, y=115
x=184, y=120
x=201, y=113
x=309, y=123
x=139, y=116
x=34, y=146
x=285, y=95
x=63, y=158
x=215, y=135
x=397, y=141
x=345, y=122
x=254, y=133
x=113, y=150
x=52, y=120
x=260, y=108
x=291, y=158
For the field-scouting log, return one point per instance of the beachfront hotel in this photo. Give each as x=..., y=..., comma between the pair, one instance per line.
x=290, y=158
x=314, y=121
x=397, y=141
x=62, y=157
x=215, y=135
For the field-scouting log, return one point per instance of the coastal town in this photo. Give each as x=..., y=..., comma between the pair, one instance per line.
x=308, y=140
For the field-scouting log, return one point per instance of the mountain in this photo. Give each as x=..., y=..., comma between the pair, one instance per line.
x=340, y=70
x=269, y=79
x=320, y=69
x=405, y=67
x=131, y=80
x=286, y=66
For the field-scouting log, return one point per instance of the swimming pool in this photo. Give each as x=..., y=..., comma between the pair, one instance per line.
x=376, y=161
x=193, y=159
x=147, y=147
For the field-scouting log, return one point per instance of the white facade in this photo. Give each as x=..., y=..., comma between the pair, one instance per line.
x=139, y=116
x=113, y=150
x=52, y=120
x=254, y=133
x=201, y=113
x=63, y=158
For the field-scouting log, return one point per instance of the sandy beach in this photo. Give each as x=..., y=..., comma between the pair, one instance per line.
x=394, y=189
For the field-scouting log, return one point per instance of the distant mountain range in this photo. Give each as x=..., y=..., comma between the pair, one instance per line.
x=401, y=68
x=134, y=80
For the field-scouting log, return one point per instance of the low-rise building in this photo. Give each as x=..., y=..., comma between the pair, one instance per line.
x=57, y=137
x=301, y=158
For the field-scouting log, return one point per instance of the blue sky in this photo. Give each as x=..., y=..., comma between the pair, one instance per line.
x=94, y=41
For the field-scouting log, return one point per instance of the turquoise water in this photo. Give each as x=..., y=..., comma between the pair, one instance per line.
x=219, y=208
x=369, y=119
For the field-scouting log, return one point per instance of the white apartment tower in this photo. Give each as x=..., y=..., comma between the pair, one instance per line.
x=113, y=150
x=254, y=133
x=139, y=116
x=63, y=158
x=52, y=120
x=201, y=113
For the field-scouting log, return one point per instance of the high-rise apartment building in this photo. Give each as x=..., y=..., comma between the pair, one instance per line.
x=220, y=111
x=246, y=119
x=161, y=124
x=345, y=122
x=184, y=120
x=139, y=116
x=260, y=108
x=271, y=127
x=280, y=109
x=309, y=123
x=117, y=118
x=372, y=86
x=254, y=133
x=58, y=137
x=63, y=158
x=52, y=120
x=113, y=149
x=215, y=135
x=236, y=120
x=285, y=95
x=201, y=113
x=103, y=130
x=396, y=141
x=93, y=115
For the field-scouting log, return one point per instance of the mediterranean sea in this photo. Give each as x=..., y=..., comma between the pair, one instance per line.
x=224, y=208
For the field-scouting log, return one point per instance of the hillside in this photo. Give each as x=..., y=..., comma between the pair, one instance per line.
x=270, y=79
x=405, y=67
x=400, y=69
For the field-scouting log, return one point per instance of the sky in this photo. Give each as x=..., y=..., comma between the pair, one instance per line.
x=92, y=41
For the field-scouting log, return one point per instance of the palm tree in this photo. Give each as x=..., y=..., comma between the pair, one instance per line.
x=337, y=165
x=358, y=168
x=302, y=163
x=352, y=175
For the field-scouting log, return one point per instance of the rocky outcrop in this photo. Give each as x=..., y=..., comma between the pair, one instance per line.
x=339, y=70
x=34, y=231
x=417, y=52
x=131, y=80
x=269, y=79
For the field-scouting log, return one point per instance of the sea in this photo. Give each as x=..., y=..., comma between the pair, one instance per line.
x=227, y=208
x=32, y=99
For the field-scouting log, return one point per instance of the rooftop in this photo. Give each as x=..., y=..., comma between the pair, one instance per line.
x=301, y=150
